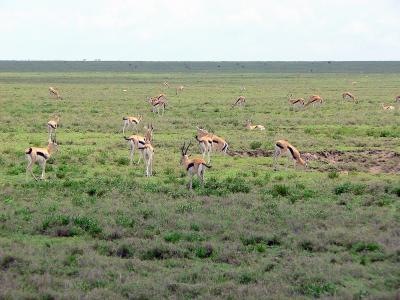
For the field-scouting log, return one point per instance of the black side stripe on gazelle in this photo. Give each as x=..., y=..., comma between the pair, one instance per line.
x=189, y=166
x=291, y=151
x=42, y=154
x=279, y=145
x=29, y=151
x=52, y=126
x=225, y=146
x=142, y=142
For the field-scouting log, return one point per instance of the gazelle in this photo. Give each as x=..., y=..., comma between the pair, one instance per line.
x=54, y=93
x=138, y=141
x=348, y=95
x=241, y=101
x=397, y=99
x=218, y=143
x=314, y=99
x=295, y=101
x=39, y=155
x=387, y=107
x=179, y=89
x=252, y=127
x=157, y=102
x=283, y=147
x=205, y=144
x=166, y=84
x=242, y=88
x=52, y=126
x=134, y=121
x=148, y=151
x=194, y=166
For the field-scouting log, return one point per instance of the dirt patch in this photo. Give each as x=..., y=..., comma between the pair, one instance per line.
x=373, y=161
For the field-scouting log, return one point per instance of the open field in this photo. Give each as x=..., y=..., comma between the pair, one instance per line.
x=97, y=227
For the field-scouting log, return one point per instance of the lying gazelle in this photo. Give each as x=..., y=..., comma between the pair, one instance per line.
x=157, y=103
x=134, y=121
x=350, y=96
x=283, y=147
x=314, y=99
x=39, y=155
x=147, y=151
x=138, y=141
x=397, y=99
x=218, y=143
x=296, y=101
x=387, y=107
x=52, y=126
x=179, y=89
x=205, y=144
x=241, y=101
x=252, y=127
x=54, y=93
x=194, y=166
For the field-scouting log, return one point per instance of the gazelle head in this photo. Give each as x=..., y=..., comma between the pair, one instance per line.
x=184, y=150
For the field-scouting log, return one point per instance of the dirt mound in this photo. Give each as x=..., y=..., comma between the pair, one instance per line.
x=373, y=161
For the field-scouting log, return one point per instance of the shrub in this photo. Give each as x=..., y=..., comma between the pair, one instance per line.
x=88, y=224
x=255, y=145
x=333, y=175
x=204, y=251
x=280, y=190
x=347, y=187
x=125, y=251
x=173, y=237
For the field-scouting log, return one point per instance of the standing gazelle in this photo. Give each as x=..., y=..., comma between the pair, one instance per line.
x=241, y=101
x=148, y=151
x=295, y=101
x=179, y=89
x=52, y=126
x=205, y=144
x=249, y=126
x=218, y=143
x=157, y=103
x=195, y=166
x=397, y=99
x=134, y=121
x=283, y=147
x=137, y=141
x=350, y=96
x=39, y=155
x=54, y=93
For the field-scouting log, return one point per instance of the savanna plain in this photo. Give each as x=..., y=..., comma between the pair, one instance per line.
x=98, y=228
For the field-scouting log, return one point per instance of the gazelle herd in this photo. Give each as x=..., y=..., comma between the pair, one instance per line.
x=208, y=142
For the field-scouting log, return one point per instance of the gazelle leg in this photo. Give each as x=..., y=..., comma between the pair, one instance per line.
x=276, y=155
x=123, y=129
x=140, y=156
x=132, y=152
x=43, y=165
x=190, y=181
x=201, y=175
x=29, y=168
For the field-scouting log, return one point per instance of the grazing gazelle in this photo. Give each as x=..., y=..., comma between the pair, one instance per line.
x=283, y=147
x=39, y=155
x=252, y=127
x=157, y=102
x=397, y=99
x=350, y=96
x=387, y=107
x=148, y=151
x=138, y=141
x=314, y=99
x=194, y=166
x=128, y=121
x=205, y=144
x=166, y=84
x=52, y=126
x=296, y=101
x=179, y=89
x=218, y=143
x=54, y=93
x=241, y=101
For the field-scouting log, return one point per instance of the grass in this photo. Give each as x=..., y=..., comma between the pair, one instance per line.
x=98, y=228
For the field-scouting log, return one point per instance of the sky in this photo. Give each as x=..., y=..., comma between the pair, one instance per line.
x=202, y=30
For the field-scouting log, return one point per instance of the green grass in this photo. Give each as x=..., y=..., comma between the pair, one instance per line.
x=99, y=228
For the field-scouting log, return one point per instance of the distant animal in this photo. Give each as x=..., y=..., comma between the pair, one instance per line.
x=249, y=126
x=350, y=96
x=397, y=99
x=131, y=121
x=314, y=100
x=242, y=88
x=241, y=101
x=41, y=156
x=52, y=126
x=54, y=93
x=194, y=166
x=166, y=84
x=295, y=101
x=138, y=141
x=218, y=143
x=124, y=90
x=179, y=89
x=205, y=144
x=157, y=103
x=148, y=151
x=283, y=147
x=387, y=107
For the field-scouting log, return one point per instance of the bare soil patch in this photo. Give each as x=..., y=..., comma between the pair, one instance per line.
x=373, y=161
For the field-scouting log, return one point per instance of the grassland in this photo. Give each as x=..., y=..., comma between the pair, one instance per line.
x=98, y=228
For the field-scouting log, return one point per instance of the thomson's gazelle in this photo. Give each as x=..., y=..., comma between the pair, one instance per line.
x=205, y=144
x=54, y=93
x=314, y=99
x=195, y=166
x=387, y=107
x=283, y=147
x=148, y=151
x=218, y=143
x=128, y=121
x=241, y=101
x=39, y=155
x=52, y=126
x=179, y=89
x=138, y=141
x=252, y=127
